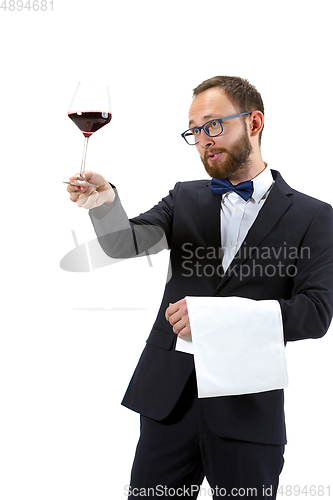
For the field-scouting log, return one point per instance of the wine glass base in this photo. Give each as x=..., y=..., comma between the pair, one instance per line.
x=81, y=183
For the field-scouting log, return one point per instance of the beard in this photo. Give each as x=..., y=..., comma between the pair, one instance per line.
x=237, y=159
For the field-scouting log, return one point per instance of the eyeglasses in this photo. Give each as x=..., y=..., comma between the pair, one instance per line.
x=213, y=128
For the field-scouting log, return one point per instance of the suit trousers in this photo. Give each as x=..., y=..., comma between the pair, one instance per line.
x=174, y=455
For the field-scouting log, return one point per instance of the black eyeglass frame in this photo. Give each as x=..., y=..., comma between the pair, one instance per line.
x=203, y=127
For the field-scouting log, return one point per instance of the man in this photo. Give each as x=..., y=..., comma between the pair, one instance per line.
x=229, y=239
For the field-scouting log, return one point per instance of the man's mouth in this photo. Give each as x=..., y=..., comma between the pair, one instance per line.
x=214, y=156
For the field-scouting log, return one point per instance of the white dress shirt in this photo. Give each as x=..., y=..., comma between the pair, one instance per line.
x=237, y=343
x=237, y=215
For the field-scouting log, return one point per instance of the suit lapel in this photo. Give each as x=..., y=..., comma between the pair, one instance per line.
x=210, y=214
x=275, y=206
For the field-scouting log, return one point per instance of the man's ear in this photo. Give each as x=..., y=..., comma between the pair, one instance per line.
x=256, y=123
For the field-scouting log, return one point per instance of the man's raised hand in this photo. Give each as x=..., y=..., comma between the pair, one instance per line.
x=91, y=197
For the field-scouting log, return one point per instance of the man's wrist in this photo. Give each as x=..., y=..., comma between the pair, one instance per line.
x=102, y=210
x=111, y=199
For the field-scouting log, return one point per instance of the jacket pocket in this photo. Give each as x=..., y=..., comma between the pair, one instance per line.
x=162, y=339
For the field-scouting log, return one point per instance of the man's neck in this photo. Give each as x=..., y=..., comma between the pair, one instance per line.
x=252, y=170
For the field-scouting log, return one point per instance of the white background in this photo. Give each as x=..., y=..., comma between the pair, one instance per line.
x=70, y=341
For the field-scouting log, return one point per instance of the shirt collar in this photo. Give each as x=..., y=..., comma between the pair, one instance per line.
x=262, y=184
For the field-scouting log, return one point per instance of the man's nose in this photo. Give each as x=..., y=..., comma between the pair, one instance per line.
x=205, y=140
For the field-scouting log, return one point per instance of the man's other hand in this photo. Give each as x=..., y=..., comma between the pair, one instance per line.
x=177, y=315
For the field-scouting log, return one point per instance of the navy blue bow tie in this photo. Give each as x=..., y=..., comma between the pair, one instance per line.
x=244, y=189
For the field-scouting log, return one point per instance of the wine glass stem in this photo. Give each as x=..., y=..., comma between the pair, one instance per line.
x=83, y=164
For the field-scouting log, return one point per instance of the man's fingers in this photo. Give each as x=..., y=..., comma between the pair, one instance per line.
x=76, y=191
x=74, y=196
x=177, y=306
x=177, y=315
x=178, y=326
x=174, y=318
x=185, y=331
x=87, y=201
x=171, y=310
x=72, y=189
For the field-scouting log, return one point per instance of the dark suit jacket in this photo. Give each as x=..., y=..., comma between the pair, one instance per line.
x=287, y=255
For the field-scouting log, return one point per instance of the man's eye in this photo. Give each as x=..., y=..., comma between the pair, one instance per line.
x=214, y=124
x=195, y=131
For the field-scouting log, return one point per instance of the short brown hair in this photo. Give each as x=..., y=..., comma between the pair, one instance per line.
x=241, y=93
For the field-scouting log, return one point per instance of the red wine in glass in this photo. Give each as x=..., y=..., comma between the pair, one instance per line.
x=86, y=99
x=90, y=121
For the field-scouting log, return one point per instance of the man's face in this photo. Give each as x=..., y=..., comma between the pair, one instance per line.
x=226, y=155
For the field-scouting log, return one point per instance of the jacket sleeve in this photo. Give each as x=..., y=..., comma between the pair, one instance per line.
x=121, y=237
x=308, y=313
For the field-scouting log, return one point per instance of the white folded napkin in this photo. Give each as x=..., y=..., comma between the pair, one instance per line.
x=237, y=344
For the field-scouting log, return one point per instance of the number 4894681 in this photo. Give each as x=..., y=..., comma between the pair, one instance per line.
x=20, y=5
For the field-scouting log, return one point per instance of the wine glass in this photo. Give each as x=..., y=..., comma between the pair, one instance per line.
x=90, y=110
